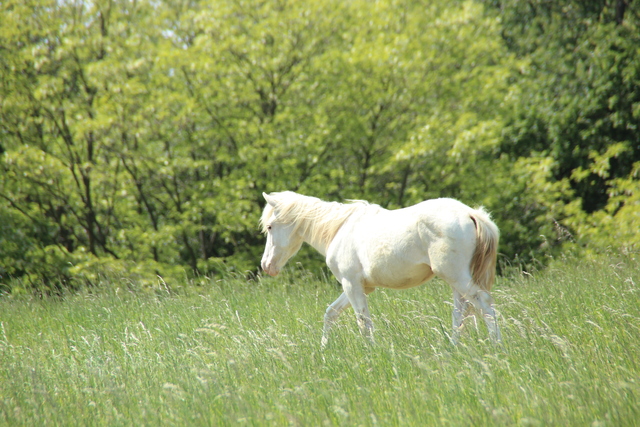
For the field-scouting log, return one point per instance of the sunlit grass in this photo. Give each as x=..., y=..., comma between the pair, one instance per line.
x=237, y=352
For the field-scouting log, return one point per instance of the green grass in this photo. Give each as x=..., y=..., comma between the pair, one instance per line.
x=239, y=352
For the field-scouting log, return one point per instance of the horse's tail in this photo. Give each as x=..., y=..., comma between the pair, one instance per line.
x=483, y=262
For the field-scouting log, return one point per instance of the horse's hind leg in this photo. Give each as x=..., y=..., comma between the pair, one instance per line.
x=461, y=308
x=463, y=285
x=484, y=301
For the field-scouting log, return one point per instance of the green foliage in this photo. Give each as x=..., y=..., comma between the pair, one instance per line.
x=138, y=136
x=577, y=113
x=616, y=225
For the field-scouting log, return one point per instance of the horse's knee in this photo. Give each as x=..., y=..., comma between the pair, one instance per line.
x=366, y=326
x=331, y=314
x=364, y=321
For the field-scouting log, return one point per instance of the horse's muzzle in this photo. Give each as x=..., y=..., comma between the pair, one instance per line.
x=269, y=269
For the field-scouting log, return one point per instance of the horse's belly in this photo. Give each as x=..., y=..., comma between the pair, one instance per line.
x=394, y=257
x=399, y=278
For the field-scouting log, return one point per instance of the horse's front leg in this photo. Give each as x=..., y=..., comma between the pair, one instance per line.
x=357, y=295
x=332, y=314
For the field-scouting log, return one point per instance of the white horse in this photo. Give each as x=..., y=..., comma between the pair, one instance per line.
x=367, y=246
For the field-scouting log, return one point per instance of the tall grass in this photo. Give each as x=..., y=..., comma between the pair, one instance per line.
x=239, y=352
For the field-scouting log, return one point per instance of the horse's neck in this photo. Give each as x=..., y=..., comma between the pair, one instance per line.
x=319, y=232
x=318, y=245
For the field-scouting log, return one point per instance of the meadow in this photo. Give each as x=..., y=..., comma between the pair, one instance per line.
x=247, y=352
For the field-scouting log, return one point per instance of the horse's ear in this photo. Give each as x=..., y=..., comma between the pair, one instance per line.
x=271, y=200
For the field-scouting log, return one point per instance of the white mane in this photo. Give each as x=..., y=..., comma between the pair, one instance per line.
x=317, y=220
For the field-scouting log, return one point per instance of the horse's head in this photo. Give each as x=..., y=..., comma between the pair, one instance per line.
x=282, y=239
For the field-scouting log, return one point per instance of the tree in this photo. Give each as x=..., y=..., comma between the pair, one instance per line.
x=137, y=137
x=578, y=108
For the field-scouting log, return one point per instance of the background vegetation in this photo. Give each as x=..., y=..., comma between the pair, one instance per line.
x=137, y=136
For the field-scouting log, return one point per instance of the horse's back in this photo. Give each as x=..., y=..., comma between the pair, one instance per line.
x=443, y=211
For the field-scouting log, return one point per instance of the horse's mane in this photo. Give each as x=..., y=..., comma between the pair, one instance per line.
x=316, y=219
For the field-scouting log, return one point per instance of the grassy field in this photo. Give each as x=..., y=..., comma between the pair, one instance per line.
x=239, y=352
